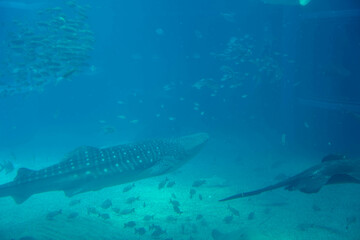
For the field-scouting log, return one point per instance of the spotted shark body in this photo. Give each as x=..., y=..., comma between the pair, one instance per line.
x=91, y=169
x=334, y=169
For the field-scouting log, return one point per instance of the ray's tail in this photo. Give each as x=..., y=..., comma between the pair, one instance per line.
x=256, y=192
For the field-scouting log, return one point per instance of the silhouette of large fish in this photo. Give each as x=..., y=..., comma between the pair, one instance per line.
x=333, y=169
x=91, y=169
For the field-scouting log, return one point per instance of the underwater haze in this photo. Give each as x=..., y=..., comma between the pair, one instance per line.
x=133, y=119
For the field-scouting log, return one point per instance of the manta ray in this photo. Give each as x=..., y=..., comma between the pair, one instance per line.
x=333, y=169
x=90, y=169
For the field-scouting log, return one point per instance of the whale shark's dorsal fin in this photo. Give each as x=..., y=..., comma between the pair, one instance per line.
x=23, y=173
x=333, y=157
x=21, y=197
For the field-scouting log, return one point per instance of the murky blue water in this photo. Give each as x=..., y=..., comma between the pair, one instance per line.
x=274, y=83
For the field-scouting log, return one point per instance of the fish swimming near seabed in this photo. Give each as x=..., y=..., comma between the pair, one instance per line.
x=334, y=169
x=91, y=169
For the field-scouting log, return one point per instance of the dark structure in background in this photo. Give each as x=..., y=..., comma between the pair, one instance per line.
x=321, y=101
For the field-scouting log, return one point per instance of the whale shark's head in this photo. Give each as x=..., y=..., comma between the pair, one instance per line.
x=192, y=144
x=177, y=151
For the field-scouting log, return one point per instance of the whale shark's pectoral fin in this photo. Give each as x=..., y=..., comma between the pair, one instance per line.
x=19, y=198
x=162, y=166
x=73, y=191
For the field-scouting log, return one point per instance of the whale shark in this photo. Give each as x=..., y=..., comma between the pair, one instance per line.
x=90, y=168
x=333, y=169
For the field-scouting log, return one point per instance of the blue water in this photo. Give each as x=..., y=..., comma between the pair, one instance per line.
x=276, y=86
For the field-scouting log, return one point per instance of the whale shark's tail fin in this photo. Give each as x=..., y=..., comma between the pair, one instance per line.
x=7, y=190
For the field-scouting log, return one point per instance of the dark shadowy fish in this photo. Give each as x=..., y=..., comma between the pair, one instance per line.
x=177, y=210
x=251, y=216
x=170, y=184
x=106, y=204
x=154, y=227
x=91, y=169
x=148, y=217
x=130, y=224
x=127, y=211
x=163, y=183
x=192, y=192
x=74, y=202
x=234, y=211
x=228, y=219
x=51, y=215
x=141, y=231
x=157, y=232
x=217, y=235
x=128, y=187
x=92, y=210
x=73, y=215
x=198, y=183
x=200, y=197
x=333, y=169
x=350, y=221
x=131, y=200
x=116, y=210
x=175, y=203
